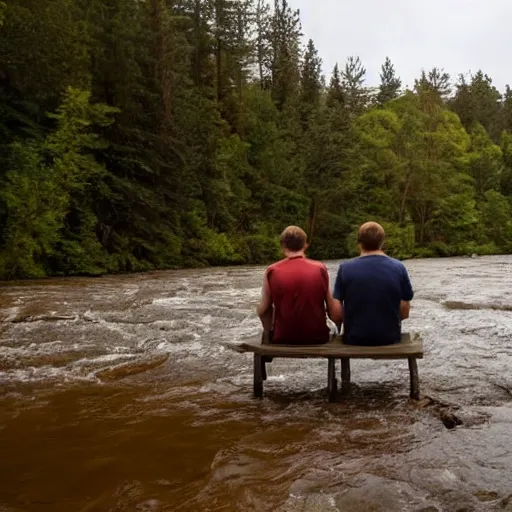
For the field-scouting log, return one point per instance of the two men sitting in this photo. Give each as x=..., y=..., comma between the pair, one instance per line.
x=372, y=294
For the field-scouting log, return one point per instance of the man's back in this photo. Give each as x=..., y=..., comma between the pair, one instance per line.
x=299, y=288
x=371, y=289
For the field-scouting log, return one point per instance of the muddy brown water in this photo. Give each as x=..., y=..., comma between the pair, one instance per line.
x=117, y=394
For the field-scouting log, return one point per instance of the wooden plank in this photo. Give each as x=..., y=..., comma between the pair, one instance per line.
x=335, y=348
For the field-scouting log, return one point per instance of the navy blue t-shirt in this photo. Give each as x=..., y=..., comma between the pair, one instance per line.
x=371, y=288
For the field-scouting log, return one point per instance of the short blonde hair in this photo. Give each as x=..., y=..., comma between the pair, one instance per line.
x=371, y=236
x=293, y=238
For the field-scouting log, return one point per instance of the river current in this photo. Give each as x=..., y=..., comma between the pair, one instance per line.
x=119, y=394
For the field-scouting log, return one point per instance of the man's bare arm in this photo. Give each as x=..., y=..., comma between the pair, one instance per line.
x=405, y=308
x=334, y=309
x=264, y=308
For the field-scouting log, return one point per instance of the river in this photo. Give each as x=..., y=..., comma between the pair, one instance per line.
x=118, y=394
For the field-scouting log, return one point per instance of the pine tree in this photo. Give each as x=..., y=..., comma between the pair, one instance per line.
x=478, y=101
x=285, y=36
x=232, y=26
x=506, y=114
x=335, y=93
x=311, y=77
x=436, y=81
x=263, y=23
x=311, y=82
x=357, y=96
x=390, y=84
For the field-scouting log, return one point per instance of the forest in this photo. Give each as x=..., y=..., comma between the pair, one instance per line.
x=152, y=134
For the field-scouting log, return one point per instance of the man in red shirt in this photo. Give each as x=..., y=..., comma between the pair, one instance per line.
x=296, y=296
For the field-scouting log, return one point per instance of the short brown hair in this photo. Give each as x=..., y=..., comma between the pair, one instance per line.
x=371, y=236
x=293, y=238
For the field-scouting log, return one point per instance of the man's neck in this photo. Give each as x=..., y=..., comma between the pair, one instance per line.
x=379, y=252
x=294, y=254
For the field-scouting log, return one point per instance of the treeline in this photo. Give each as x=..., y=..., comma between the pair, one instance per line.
x=142, y=134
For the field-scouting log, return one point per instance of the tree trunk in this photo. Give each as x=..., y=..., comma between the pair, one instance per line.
x=218, y=50
x=404, y=199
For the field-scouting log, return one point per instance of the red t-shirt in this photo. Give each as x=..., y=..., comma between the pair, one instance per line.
x=299, y=289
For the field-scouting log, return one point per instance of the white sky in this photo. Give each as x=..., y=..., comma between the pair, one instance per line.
x=457, y=35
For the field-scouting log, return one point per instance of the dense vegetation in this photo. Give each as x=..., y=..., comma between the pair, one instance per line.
x=140, y=134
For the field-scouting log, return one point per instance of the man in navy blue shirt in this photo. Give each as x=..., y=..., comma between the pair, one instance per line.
x=374, y=290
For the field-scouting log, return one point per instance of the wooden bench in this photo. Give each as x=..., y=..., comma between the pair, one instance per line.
x=408, y=348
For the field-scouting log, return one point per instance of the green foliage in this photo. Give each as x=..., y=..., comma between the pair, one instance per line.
x=219, y=249
x=485, y=161
x=506, y=171
x=496, y=213
x=46, y=193
x=36, y=208
x=478, y=101
x=258, y=248
x=399, y=242
x=436, y=81
x=143, y=135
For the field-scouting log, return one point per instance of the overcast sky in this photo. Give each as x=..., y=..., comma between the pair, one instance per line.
x=457, y=35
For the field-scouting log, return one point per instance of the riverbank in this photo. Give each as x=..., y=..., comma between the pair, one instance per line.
x=476, y=251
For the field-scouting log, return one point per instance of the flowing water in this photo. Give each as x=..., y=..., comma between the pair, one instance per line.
x=118, y=394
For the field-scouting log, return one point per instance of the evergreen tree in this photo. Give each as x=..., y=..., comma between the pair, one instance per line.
x=285, y=33
x=311, y=82
x=335, y=94
x=311, y=77
x=478, y=101
x=436, y=81
x=263, y=25
x=389, y=88
x=506, y=114
x=357, y=96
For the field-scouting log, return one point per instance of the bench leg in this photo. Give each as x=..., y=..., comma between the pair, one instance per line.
x=415, y=381
x=345, y=374
x=332, y=384
x=264, y=362
x=258, y=376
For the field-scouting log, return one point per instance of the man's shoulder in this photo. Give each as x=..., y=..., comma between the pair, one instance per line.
x=397, y=263
x=276, y=264
x=288, y=261
x=362, y=261
x=316, y=263
x=350, y=263
x=353, y=263
x=394, y=261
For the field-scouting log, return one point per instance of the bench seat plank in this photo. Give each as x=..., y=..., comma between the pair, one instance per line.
x=335, y=349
